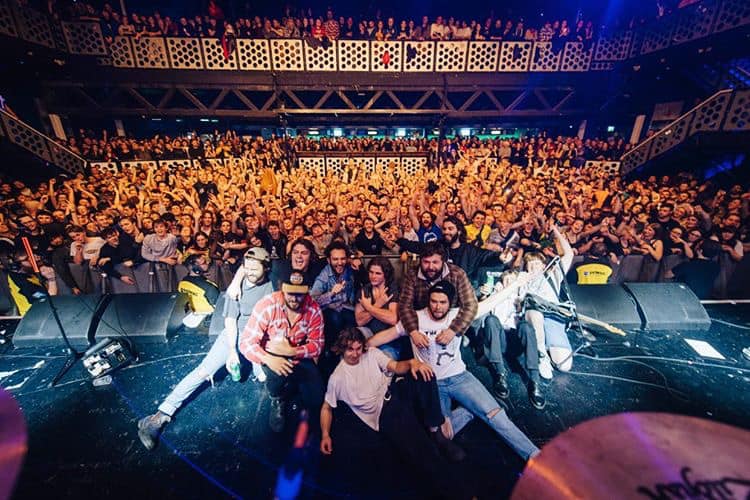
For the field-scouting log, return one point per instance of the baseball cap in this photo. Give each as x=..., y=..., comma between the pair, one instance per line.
x=294, y=282
x=445, y=287
x=258, y=253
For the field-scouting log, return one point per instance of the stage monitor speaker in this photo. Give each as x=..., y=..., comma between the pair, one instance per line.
x=669, y=306
x=608, y=303
x=150, y=317
x=38, y=325
x=144, y=317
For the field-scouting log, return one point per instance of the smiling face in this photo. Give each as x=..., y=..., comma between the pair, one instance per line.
x=300, y=257
x=337, y=260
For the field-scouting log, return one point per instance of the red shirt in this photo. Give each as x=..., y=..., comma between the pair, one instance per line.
x=269, y=318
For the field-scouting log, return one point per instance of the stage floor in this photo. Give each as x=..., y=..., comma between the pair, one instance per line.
x=83, y=441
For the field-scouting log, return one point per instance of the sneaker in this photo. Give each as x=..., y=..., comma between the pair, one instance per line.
x=150, y=427
x=258, y=373
x=276, y=415
x=545, y=366
x=448, y=448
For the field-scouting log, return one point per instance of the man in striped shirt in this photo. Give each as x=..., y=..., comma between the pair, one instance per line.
x=285, y=335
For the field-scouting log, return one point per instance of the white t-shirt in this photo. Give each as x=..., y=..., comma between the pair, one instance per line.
x=445, y=360
x=361, y=386
x=92, y=246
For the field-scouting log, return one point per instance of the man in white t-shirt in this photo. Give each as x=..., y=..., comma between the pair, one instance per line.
x=405, y=410
x=455, y=382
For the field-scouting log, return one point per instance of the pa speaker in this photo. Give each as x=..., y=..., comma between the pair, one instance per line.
x=608, y=303
x=38, y=325
x=146, y=317
x=669, y=306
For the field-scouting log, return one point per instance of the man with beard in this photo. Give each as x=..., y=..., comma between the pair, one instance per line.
x=334, y=291
x=285, y=335
x=433, y=267
x=455, y=382
x=252, y=284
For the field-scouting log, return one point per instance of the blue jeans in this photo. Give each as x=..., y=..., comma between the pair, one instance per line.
x=213, y=362
x=469, y=392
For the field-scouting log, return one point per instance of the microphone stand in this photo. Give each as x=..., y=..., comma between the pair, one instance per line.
x=73, y=355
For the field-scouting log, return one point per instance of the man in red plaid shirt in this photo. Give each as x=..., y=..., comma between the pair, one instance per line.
x=285, y=335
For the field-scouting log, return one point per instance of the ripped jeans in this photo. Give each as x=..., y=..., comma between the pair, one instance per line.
x=213, y=362
x=466, y=390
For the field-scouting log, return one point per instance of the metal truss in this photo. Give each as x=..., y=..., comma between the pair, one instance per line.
x=290, y=101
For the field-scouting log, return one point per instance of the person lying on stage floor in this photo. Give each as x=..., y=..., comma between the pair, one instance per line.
x=404, y=409
x=252, y=286
x=285, y=335
x=455, y=382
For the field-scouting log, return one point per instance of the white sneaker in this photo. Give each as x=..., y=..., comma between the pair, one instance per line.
x=545, y=366
x=260, y=374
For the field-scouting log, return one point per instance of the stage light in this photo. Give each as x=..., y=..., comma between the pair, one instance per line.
x=205, y=120
x=495, y=131
x=464, y=132
x=372, y=132
x=611, y=128
x=400, y=132
x=313, y=132
x=337, y=132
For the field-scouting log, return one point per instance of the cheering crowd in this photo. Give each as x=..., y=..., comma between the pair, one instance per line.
x=377, y=281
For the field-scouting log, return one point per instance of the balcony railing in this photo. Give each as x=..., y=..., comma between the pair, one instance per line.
x=42, y=146
x=727, y=110
x=85, y=38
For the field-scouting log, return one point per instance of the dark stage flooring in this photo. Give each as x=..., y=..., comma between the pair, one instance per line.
x=83, y=441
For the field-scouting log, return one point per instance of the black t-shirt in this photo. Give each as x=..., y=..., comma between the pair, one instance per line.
x=369, y=246
x=698, y=275
x=204, y=189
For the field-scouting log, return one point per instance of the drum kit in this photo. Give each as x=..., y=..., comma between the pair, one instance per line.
x=641, y=456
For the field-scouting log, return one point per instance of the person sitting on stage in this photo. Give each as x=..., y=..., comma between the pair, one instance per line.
x=202, y=293
x=550, y=333
x=455, y=382
x=254, y=285
x=405, y=410
x=333, y=290
x=377, y=308
x=285, y=335
x=504, y=304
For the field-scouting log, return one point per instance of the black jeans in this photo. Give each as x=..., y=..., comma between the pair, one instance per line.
x=414, y=407
x=304, y=380
x=494, y=340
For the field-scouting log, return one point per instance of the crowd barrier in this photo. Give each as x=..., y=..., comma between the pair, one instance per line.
x=85, y=38
x=152, y=277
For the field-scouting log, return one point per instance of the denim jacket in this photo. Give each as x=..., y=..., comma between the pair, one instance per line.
x=325, y=282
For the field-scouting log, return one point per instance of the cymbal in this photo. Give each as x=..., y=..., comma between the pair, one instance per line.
x=12, y=442
x=641, y=456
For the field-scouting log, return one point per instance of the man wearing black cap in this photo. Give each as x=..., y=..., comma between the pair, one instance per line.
x=285, y=335
x=455, y=382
